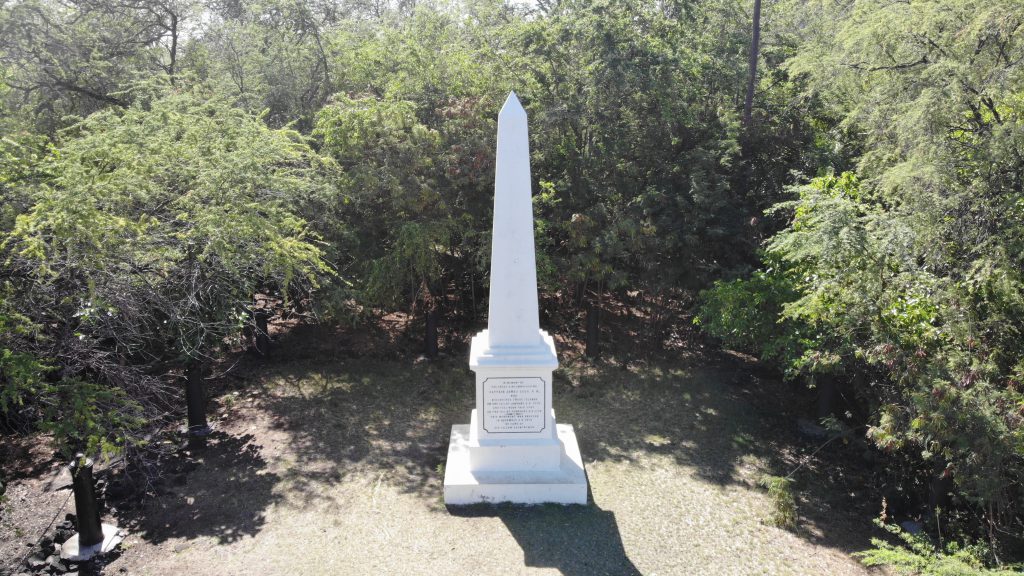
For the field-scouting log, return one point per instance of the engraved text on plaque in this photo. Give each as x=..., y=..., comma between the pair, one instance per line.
x=514, y=405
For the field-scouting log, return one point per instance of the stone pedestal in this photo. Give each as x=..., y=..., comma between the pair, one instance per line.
x=566, y=484
x=513, y=450
x=75, y=551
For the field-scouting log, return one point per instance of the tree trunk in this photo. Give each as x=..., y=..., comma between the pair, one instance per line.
x=593, y=329
x=195, y=399
x=755, y=43
x=171, y=69
x=430, y=336
x=90, y=529
x=261, y=317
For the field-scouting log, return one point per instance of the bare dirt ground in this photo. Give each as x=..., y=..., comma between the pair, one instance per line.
x=327, y=464
x=36, y=491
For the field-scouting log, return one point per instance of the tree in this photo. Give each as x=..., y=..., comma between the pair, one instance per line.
x=905, y=275
x=272, y=56
x=79, y=57
x=143, y=249
x=755, y=44
x=634, y=110
x=390, y=187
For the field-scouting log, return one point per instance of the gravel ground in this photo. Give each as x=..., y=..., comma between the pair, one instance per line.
x=335, y=467
x=36, y=492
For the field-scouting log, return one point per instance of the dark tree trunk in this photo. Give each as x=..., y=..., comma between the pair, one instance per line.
x=171, y=68
x=593, y=329
x=261, y=319
x=90, y=530
x=755, y=44
x=195, y=399
x=430, y=334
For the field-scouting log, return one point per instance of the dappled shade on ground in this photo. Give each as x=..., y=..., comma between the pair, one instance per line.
x=223, y=499
x=336, y=467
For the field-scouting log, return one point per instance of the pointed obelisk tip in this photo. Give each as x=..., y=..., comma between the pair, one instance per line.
x=512, y=105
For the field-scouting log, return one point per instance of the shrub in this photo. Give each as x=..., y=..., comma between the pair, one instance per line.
x=780, y=490
x=139, y=253
x=918, y=556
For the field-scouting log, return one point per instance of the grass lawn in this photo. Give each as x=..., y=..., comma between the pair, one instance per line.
x=330, y=465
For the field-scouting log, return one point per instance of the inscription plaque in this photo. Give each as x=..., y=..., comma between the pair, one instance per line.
x=514, y=405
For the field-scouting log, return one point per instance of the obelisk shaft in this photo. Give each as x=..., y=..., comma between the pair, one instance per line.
x=512, y=313
x=513, y=450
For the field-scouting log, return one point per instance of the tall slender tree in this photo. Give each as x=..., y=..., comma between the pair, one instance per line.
x=755, y=45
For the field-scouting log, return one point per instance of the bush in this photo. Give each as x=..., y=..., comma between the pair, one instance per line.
x=780, y=490
x=851, y=290
x=918, y=556
x=747, y=315
x=140, y=252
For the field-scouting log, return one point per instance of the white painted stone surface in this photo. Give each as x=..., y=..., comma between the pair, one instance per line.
x=463, y=485
x=512, y=310
x=535, y=362
x=514, y=454
x=513, y=450
x=73, y=550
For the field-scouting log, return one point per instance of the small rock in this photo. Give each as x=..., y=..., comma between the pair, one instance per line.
x=56, y=564
x=35, y=562
x=61, y=535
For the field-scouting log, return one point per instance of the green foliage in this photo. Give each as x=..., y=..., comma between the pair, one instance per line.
x=67, y=60
x=268, y=56
x=390, y=175
x=780, y=490
x=195, y=194
x=20, y=155
x=635, y=143
x=874, y=305
x=908, y=271
x=80, y=415
x=21, y=373
x=632, y=112
x=916, y=555
x=411, y=262
x=746, y=314
x=145, y=245
x=88, y=417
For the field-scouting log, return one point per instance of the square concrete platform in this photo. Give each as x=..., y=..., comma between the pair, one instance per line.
x=565, y=485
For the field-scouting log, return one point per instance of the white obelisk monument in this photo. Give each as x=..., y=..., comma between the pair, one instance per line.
x=512, y=450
